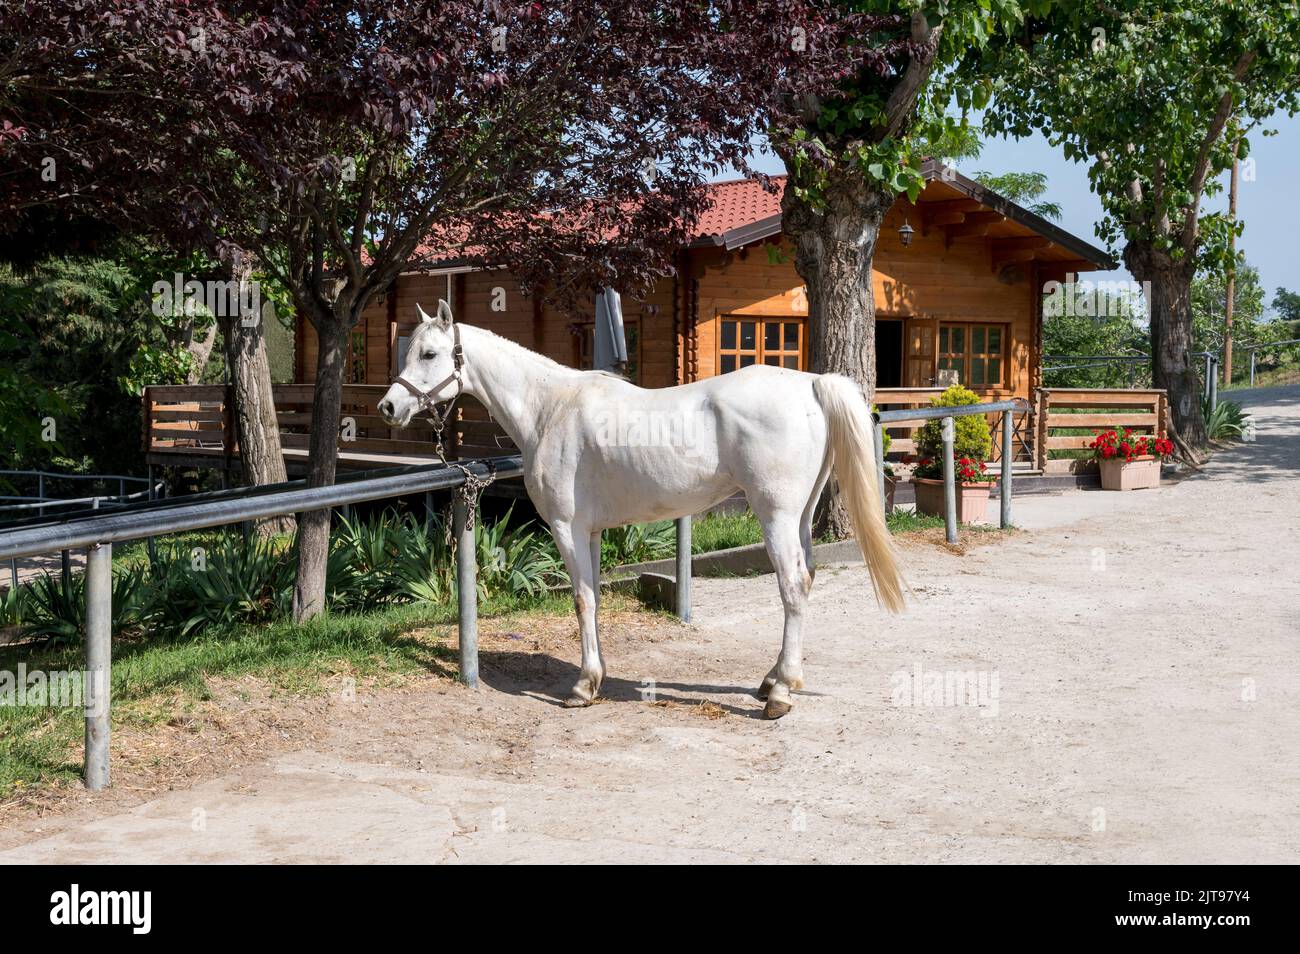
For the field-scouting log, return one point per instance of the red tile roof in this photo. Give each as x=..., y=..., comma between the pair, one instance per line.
x=738, y=202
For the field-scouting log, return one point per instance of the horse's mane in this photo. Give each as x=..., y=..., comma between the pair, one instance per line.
x=515, y=347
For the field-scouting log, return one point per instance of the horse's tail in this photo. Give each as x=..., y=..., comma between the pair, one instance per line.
x=852, y=448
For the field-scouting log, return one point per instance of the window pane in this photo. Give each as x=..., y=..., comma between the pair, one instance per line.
x=977, y=341
x=792, y=336
x=748, y=335
x=729, y=335
x=977, y=370
x=772, y=336
x=950, y=364
x=746, y=360
x=995, y=341
x=727, y=362
x=943, y=340
x=957, y=337
x=773, y=360
x=792, y=361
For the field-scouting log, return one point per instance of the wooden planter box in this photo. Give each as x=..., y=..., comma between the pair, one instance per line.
x=972, y=499
x=1140, y=473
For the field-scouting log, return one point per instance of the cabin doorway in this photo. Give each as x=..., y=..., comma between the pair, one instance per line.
x=889, y=352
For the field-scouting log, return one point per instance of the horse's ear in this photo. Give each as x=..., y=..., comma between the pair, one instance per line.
x=424, y=315
x=444, y=312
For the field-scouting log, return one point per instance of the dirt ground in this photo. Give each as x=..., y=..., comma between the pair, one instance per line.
x=1137, y=658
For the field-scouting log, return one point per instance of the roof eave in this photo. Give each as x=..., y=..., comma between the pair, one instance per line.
x=932, y=169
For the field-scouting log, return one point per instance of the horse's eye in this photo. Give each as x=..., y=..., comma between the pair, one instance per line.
x=428, y=356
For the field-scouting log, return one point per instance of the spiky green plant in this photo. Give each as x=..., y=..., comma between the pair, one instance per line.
x=1227, y=420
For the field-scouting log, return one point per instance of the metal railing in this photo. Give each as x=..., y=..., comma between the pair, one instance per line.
x=98, y=532
x=946, y=416
x=41, y=503
x=1263, y=346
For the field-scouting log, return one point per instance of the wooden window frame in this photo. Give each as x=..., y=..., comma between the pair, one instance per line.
x=585, y=343
x=940, y=355
x=760, y=337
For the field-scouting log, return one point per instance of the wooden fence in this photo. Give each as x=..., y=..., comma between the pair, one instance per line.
x=1069, y=418
x=193, y=424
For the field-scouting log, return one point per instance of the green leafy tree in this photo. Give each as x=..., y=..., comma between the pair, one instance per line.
x=1151, y=94
x=856, y=153
x=1023, y=188
x=1210, y=292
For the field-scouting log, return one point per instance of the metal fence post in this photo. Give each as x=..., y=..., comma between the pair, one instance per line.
x=149, y=544
x=879, y=440
x=1214, y=383
x=949, y=481
x=99, y=660
x=1252, y=367
x=1206, y=390
x=1007, y=428
x=466, y=590
x=683, y=588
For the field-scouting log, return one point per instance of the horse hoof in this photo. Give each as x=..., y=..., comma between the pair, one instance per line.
x=576, y=702
x=775, y=709
x=762, y=691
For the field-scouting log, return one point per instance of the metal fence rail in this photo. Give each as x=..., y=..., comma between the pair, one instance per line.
x=40, y=505
x=97, y=533
x=947, y=415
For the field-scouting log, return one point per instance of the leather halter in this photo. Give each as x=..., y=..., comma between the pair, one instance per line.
x=424, y=399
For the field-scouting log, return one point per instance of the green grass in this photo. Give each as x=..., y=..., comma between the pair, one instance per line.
x=722, y=531
x=152, y=678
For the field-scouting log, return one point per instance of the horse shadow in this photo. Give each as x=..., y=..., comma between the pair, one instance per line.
x=548, y=679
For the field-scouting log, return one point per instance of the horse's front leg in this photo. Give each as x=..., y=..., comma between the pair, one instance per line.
x=581, y=554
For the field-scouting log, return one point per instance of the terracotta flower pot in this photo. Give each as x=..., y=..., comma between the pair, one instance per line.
x=972, y=499
x=1139, y=473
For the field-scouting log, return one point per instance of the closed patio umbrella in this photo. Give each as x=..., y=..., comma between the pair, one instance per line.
x=609, y=345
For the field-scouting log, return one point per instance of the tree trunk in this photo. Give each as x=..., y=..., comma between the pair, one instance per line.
x=322, y=462
x=256, y=427
x=1172, y=367
x=834, y=247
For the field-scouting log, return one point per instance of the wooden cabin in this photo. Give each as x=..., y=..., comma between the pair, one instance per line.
x=962, y=301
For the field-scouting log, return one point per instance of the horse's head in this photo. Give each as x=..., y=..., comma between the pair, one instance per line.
x=431, y=374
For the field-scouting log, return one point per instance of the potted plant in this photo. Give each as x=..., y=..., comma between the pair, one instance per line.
x=1129, y=461
x=972, y=444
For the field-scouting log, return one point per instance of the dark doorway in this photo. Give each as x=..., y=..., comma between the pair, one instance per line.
x=889, y=352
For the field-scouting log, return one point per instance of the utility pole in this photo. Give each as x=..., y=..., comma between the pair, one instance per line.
x=1232, y=270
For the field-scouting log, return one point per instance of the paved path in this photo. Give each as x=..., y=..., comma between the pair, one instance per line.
x=1145, y=709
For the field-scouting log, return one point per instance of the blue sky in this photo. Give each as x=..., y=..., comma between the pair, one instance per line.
x=1270, y=205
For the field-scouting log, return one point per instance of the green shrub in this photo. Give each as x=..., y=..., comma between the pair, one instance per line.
x=1227, y=420
x=56, y=608
x=638, y=543
x=233, y=580
x=972, y=437
x=14, y=605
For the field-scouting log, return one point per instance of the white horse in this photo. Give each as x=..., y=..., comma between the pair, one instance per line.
x=600, y=452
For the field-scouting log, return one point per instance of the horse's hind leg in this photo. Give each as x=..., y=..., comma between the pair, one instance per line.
x=578, y=551
x=781, y=532
x=806, y=544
